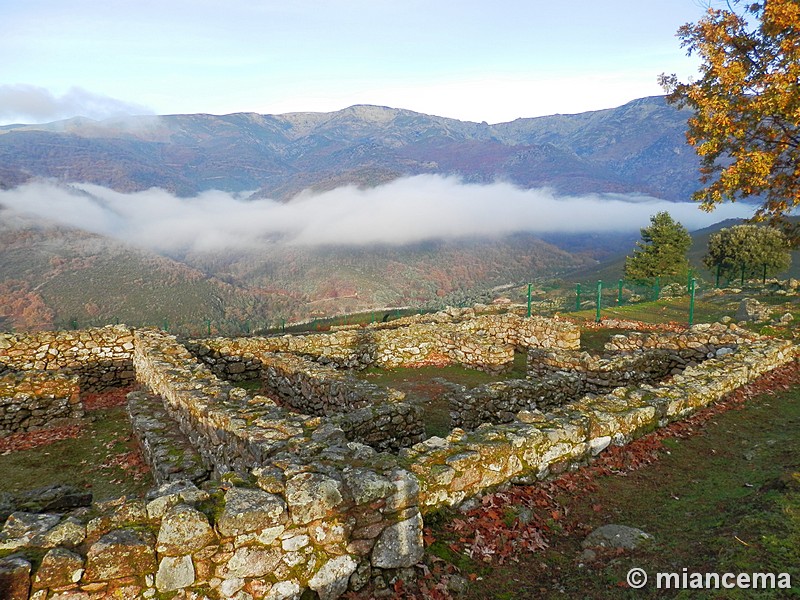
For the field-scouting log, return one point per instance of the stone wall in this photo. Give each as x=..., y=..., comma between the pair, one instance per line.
x=500, y=401
x=317, y=511
x=537, y=443
x=167, y=450
x=598, y=374
x=230, y=430
x=557, y=376
x=323, y=531
x=316, y=389
x=485, y=342
x=100, y=356
x=31, y=400
x=699, y=342
x=308, y=508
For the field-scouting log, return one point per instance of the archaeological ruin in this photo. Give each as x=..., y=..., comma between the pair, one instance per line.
x=323, y=481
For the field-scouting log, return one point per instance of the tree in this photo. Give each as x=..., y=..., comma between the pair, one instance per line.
x=748, y=251
x=662, y=251
x=746, y=122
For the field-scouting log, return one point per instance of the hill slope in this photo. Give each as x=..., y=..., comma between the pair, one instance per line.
x=65, y=278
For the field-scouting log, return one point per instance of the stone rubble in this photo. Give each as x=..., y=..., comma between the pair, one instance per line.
x=299, y=501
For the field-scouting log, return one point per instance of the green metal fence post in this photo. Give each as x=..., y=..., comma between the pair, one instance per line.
x=764, y=275
x=657, y=288
x=719, y=270
x=692, y=285
x=619, y=293
x=742, y=282
x=529, y=300
x=283, y=325
x=578, y=297
x=208, y=326
x=599, y=300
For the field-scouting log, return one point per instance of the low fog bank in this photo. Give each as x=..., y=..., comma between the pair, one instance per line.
x=405, y=211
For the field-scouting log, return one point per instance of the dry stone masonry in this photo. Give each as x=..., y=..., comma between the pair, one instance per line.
x=41, y=374
x=101, y=356
x=485, y=342
x=37, y=400
x=257, y=500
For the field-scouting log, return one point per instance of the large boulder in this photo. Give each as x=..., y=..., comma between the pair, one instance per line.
x=120, y=553
x=249, y=510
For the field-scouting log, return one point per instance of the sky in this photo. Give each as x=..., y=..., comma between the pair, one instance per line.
x=474, y=60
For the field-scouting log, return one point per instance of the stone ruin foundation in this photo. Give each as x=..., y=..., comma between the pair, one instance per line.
x=323, y=482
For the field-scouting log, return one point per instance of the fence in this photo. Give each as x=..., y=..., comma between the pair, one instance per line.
x=601, y=295
x=594, y=297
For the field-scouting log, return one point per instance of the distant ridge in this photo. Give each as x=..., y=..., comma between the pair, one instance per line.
x=638, y=147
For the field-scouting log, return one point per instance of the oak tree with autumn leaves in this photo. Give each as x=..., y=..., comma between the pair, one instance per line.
x=746, y=103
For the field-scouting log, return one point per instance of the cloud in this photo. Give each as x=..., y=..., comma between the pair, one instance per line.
x=23, y=103
x=408, y=210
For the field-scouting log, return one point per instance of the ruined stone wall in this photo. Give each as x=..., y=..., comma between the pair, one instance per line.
x=559, y=376
x=537, y=443
x=312, y=509
x=32, y=400
x=323, y=531
x=699, y=342
x=231, y=430
x=389, y=426
x=168, y=452
x=100, y=356
x=485, y=342
x=367, y=413
x=500, y=401
x=316, y=389
x=598, y=374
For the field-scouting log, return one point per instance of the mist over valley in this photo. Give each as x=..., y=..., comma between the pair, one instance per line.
x=257, y=219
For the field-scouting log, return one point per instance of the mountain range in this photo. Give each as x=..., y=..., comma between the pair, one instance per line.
x=637, y=148
x=52, y=275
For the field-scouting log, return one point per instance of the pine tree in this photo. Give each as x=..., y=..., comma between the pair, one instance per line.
x=661, y=253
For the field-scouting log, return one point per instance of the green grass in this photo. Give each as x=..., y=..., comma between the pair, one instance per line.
x=86, y=461
x=662, y=311
x=726, y=499
x=420, y=386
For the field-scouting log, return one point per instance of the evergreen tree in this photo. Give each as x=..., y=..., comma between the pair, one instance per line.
x=661, y=253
